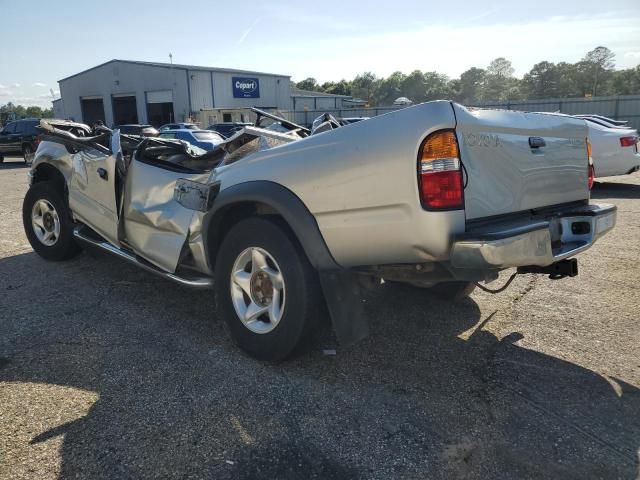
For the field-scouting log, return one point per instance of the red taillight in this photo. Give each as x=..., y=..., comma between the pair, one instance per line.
x=439, y=175
x=628, y=141
x=441, y=190
x=592, y=176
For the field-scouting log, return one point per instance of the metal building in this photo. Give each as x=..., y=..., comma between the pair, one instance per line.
x=125, y=91
x=303, y=100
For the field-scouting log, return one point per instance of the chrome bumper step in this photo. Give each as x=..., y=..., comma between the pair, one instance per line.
x=87, y=237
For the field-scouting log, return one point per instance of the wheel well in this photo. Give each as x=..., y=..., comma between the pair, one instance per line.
x=48, y=173
x=231, y=215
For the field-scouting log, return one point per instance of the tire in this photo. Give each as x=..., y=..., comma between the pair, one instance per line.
x=27, y=154
x=1, y=159
x=268, y=336
x=54, y=238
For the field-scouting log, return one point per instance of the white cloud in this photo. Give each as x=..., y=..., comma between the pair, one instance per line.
x=39, y=84
x=48, y=95
x=2, y=87
x=247, y=31
x=15, y=85
x=5, y=93
x=31, y=101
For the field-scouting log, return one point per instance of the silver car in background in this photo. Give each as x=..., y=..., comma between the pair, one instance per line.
x=614, y=147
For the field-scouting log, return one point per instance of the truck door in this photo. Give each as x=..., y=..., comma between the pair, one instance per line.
x=92, y=193
x=156, y=226
x=7, y=136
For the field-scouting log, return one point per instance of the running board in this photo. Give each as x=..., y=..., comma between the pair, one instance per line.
x=192, y=282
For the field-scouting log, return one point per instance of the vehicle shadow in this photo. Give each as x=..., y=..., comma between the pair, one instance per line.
x=430, y=394
x=615, y=190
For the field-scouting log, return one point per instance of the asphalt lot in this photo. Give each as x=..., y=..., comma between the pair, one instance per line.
x=109, y=372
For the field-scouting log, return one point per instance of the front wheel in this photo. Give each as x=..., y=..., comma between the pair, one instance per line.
x=47, y=222
x=267, y=292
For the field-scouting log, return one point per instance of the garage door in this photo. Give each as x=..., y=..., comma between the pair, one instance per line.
x=125, y=109
x=160, y=107
x=92, y=110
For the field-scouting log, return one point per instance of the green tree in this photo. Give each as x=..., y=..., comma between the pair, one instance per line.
x=414, y=87
x=364, y=85
x=309, y=84
x=568, y=80
x=388, y=89
x=626, y=82
x=436, y=86
x=498, y=80
x=599, y=61
x=9, y=109
x=340, y=88
x=541, y=81
x=500, y=67
x=471, y=84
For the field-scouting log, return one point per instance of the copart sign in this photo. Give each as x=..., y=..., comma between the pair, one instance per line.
x=245, y=87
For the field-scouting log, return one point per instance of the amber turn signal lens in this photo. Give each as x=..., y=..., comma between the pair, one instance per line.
x=440, y=145
x=439, y=176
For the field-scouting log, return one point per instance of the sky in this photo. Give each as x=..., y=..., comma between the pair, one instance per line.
x=45, y=41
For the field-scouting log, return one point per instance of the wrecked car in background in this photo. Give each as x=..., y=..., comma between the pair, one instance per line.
x=280, y=220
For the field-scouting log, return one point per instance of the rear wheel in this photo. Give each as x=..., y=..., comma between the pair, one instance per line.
x=267, y=292
x=27, y=154
x=47, y=222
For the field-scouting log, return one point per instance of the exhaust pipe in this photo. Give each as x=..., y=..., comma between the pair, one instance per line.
x=556, y=271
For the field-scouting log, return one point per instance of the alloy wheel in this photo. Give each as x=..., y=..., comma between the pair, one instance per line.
x=45, y=222
x=257, y=290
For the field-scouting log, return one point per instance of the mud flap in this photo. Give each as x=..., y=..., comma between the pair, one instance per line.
x=343, y=294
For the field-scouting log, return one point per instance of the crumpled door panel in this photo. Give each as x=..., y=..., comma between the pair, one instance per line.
x=156, y=226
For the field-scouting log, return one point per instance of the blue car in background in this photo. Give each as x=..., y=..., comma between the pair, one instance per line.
x=179, y=126
x=205, y=139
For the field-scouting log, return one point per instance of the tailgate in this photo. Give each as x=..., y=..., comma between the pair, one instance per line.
x=505, y=174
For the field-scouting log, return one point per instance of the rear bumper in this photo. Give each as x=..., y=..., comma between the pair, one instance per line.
x=540, y=240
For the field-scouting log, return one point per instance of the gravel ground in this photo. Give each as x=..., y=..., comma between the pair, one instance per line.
x=108, y=371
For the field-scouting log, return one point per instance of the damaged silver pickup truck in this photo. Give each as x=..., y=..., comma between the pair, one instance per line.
x=285, y=223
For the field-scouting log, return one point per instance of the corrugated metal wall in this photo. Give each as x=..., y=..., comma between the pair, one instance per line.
x=201, y=91
x=275, y=91
x=306, y=117
x=625, y=107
